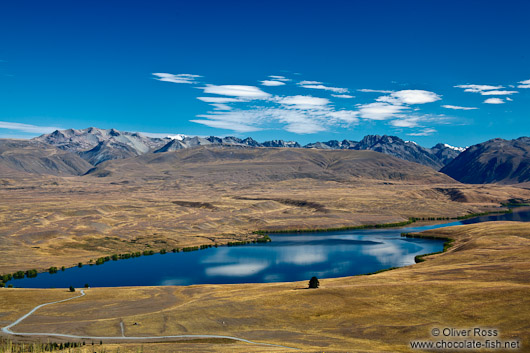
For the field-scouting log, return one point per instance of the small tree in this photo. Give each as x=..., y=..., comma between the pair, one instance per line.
x=313, y=282
x=86, y=285
x=72, y=289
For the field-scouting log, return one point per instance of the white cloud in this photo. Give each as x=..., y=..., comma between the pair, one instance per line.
x=219, y=99
x=272, y=83
x=524, y=84
x=223, y=124
x=32, y=129
x=367, y=90
x=379, y=111
x=409, y=121
x=348, y=116
x=494, y=101
x=478, y=88
x=424, y=132
x=509, y=99
x=297, y=121
x=303, y=101
x=301, y=83
x=319, y=85
x=456, y=107
x=279, y=78
x=218, y=106
x=246, y=92
x=297, y=114
x=497, y=93
x=410, y=96
x=179, y=78
x=346, y=96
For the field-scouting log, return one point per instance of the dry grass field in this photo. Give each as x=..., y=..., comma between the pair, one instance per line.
x=52, y=221
x=483, y=280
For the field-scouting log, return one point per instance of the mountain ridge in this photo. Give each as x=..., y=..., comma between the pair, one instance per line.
x=494, y=161
x=98, y=145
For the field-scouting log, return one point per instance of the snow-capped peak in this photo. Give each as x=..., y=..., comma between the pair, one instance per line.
x=459, y=149
x=178, y=137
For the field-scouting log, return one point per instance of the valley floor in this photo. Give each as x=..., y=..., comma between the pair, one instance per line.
x=52, y=221
x=483, y=281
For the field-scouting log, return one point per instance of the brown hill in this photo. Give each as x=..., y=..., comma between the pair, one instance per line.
x=244, y=165
x=39, y=158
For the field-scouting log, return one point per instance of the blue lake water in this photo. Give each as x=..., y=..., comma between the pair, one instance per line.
x=289, y=257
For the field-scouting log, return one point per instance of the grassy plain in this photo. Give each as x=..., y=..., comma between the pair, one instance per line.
x=483, y=280
x=52, y=221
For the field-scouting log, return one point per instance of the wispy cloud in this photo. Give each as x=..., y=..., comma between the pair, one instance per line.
x=524, y=84
x=408, y=121
x=228, y=125
x=424, y=132
x=303, y=101
x=297, y=114
x=380, y=111
x=456, y=107
x=279, y=78
x=410, y=96
x=178, y=78
x=494, y=101
x=32, y=129
x=367, y=90
x=219, y=99
x=246, y=92
x=272, y=83
x=319, y=85
x=497, y=93
x=297, y=121
x=220, y=103
x=243, y=108
x=478, y=88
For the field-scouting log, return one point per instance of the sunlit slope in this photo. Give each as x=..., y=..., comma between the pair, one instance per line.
x=246, y=165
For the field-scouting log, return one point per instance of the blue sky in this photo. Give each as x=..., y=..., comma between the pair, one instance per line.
x=429, y=71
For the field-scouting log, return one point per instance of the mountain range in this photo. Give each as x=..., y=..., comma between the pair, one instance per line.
x=98, y=145
x=76, y=152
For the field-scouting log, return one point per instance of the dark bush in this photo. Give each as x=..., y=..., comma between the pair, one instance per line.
x=314, y=283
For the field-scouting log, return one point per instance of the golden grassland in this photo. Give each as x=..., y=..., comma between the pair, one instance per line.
x=60, y=221
x=483, y=280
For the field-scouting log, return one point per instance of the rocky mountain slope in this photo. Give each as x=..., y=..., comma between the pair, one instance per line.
x=493, y=161
x=97, y=145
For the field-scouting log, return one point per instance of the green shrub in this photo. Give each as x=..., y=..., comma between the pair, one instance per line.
x=19, y=274
x=31, y=273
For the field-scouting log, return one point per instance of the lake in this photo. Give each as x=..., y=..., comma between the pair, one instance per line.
x=289, y=257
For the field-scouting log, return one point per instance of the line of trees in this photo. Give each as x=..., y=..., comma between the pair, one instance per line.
x=115, y=257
